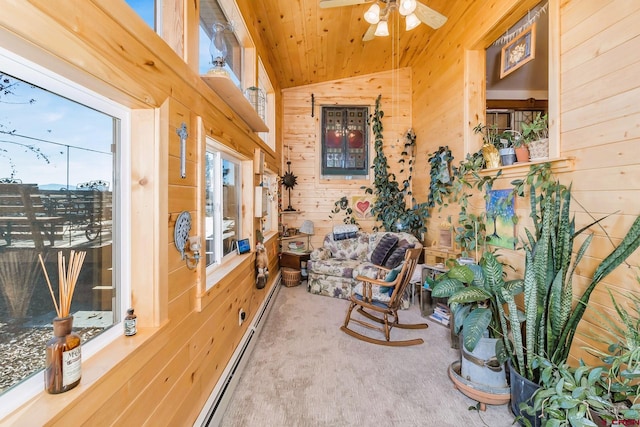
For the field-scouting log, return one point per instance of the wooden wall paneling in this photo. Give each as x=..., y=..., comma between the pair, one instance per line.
x=173, y=25
x=606, y=21
x=146, y=207
x=315, y=196
x=616, y=83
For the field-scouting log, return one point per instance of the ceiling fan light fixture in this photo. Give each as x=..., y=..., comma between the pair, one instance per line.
x=372, y=15
x=382, y=29
x=407, y=7
x=411, y=22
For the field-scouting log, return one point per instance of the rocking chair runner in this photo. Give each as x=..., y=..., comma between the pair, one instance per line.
x=368, y=301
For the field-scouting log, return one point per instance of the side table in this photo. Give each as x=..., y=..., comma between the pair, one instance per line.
x=295, y=260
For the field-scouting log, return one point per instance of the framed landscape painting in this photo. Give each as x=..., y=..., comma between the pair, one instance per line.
x=501, y=228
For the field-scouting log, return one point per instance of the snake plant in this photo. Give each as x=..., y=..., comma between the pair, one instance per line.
x=550, y=317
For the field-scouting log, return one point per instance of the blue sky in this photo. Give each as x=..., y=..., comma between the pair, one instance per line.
x=75, y=139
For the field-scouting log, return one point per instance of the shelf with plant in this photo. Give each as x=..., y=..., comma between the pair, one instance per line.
x=535, y=135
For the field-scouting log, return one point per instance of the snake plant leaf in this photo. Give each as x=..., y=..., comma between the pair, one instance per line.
x=627, y=246
x=474, y=327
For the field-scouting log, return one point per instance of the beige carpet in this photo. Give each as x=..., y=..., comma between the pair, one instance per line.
x=304, y=371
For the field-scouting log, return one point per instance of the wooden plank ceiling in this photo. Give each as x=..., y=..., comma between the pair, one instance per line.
x=311, y=45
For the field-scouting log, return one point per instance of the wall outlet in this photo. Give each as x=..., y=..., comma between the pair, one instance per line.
x=241, y=316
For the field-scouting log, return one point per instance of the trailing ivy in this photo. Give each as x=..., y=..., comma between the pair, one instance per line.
x=342, y=205
x=390, y=205
x=441, y=179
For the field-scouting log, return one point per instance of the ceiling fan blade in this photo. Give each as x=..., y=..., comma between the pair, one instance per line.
x=370, y=34
x=429, y=16
x=338, y=3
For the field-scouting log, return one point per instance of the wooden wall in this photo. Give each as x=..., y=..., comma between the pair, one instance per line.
x=598, y=116
x=164, y=374
x=314, y=196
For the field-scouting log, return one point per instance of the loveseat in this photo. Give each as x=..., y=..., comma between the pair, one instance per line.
x=332, y=269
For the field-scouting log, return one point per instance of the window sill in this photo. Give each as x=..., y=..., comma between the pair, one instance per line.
x=216, y=275
x=45, y=408
x=518, y=170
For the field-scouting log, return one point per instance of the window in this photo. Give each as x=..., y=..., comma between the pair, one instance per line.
x=58, y=167
x=345, y=141
x=269, y=118
x=223, y=199
x=269, y=203
x=146, y=9
x=210, y=14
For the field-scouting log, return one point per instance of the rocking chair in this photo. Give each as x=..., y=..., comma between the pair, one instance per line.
x=383, y=298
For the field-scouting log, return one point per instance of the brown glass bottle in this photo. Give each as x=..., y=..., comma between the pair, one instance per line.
x=130, y=323
x=64, y=359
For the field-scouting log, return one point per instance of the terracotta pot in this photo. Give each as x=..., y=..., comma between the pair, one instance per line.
x=522, y=154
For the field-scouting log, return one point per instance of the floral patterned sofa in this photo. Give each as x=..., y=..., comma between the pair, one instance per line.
x=332, y=269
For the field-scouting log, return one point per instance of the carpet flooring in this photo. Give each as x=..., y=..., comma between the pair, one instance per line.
x=305, y=372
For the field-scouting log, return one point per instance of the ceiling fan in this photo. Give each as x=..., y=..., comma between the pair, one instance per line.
x=413, y=11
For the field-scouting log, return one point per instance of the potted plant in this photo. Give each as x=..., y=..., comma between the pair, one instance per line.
x=596, y=395
x=536, y=136
x=507, y=150
x=520, y=146
x=551, y=318
x=475, y=296
x=490, y=145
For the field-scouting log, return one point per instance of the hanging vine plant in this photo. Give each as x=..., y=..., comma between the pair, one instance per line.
x=390, y=205
x=441, y=179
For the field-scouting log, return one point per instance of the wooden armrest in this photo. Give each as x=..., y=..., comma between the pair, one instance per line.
x=377, y=282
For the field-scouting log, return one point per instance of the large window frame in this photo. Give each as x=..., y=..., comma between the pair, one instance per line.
x=220, y=234
x=44, y=78
x=475, y=76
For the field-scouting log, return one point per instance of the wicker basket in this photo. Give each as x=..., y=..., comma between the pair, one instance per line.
x=539, y=149
x=290, y=277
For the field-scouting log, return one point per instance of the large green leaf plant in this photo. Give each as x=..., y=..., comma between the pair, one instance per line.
x=475, y=296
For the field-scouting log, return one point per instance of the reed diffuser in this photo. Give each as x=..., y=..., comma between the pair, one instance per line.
x=64, y=358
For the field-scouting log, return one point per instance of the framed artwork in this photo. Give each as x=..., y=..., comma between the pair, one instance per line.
x=362, y=206
x=501, y=228
x=518, y=51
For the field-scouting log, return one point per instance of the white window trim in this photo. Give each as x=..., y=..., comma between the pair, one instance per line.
x=33, y=73
x=232, y=259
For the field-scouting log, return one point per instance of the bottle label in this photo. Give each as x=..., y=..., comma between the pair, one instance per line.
x=71, y=366
x=130, y=327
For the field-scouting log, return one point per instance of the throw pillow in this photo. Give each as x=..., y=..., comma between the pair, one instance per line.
x=397, y=255
x=385, y=247
x=343, y=232
x=391, y=276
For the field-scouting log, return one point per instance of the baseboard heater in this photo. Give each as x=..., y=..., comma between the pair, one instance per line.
x=216, y=404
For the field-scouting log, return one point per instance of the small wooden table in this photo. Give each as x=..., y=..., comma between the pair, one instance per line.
x=294, y=259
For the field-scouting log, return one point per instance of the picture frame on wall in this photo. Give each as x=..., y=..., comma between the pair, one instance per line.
x=518, y=51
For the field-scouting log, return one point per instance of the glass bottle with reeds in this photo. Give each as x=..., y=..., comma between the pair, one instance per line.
x=63, y=353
